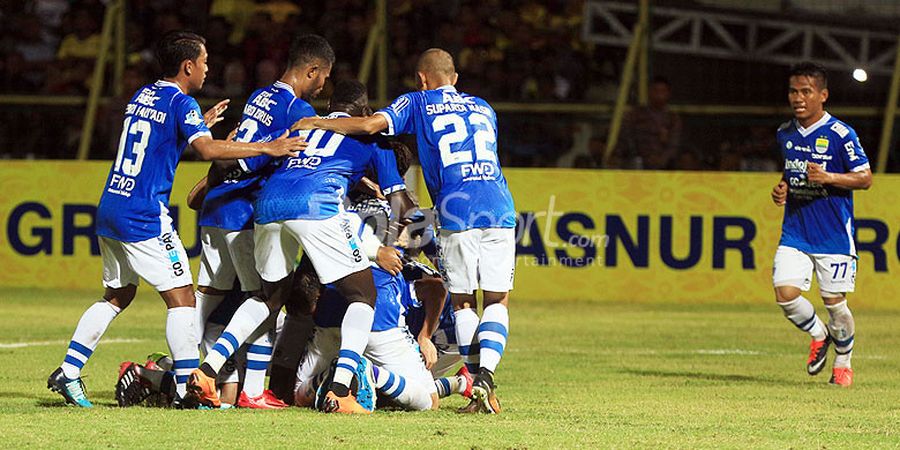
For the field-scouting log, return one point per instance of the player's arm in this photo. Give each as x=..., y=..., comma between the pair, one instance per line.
x=432, y=294
x=210, y=149
x=780, y=192
x=344, y=125
x=860, y=179
x=198, y=194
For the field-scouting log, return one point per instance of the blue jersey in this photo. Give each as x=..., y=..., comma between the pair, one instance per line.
x=393, y=294
x=819, y=219
x=160, y=121
x=457, y=141
x=415, y=318
x=230, y=205
x=312, y=185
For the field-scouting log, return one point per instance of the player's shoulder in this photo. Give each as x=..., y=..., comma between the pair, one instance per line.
x=840, y=128
x=786, y=127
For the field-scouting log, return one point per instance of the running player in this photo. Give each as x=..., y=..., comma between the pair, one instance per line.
x=135, y=230
x=226, y=219
x=301, y=204
x=824, y=163
x=457, y=141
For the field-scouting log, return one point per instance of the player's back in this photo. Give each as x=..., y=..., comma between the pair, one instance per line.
x=457, y=143
x=160, y=121
x=392, y=296
x=230, y=205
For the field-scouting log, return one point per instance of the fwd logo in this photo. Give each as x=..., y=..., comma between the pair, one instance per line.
x=304, y=162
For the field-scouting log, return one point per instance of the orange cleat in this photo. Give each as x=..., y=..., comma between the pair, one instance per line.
x=202, y=389
x=842, y=376
x=346, y=405
x=817, y=355
x=266, y=400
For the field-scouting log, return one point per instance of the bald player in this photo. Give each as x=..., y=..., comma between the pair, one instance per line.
x=457, y=141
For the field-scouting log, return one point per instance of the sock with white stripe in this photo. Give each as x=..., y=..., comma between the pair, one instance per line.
x=259, y=353
x=803, y=315
x=90, y=329
x=448, y=386
x=248, y=317
x=180, y=329
x=492, y=335
x=842, y=328
x=205, y=305
x=466, y=336
x=355, y=329
x=408, y=395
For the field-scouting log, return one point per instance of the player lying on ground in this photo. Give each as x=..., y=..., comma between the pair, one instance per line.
x=823, y=164
x=133, y=224
x=457, y=144
x=300, y=204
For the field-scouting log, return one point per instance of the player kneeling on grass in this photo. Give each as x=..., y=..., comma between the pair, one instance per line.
x=823, y=164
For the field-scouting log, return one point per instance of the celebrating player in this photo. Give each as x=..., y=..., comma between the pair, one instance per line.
x=457, y=141
x=226, y=219
x=136, y=234
x=823, y=164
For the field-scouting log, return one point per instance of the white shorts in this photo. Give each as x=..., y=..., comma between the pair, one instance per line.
x=394, y=350
x=836, y=273
x=480, y=257
x=161, y=261
x=227, y=254
x=331, y=244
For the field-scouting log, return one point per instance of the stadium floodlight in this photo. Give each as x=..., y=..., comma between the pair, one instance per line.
x=860, y=75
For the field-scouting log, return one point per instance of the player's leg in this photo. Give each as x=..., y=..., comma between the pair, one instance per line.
x=295, y=332
x=792, y=275
x=459, y=265
x=322, y=349
x=216, y=274
x=121, y=284
x=837, y=276
x=334, y=250
x=398, y=371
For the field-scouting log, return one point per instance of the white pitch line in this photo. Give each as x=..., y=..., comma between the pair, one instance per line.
x=4, y=345
x=734, y=351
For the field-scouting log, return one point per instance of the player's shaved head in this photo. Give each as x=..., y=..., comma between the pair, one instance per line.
x=435, y=68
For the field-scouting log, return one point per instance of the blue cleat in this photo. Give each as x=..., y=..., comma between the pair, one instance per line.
x=71, y=390
x=365, y=390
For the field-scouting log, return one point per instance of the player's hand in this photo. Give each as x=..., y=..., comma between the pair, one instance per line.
x=232, y=135
x=284, y=146
x=388, y=258
x=780, y=193
x=306, y=123
x=214, y=114
x=429, y=352
x=815, y=173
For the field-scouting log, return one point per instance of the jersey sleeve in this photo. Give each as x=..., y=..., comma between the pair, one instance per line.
x=852, y=153
x=385, y=164
x=399, y=115
x=189, y=119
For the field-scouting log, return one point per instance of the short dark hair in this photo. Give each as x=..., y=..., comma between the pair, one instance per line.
x=176, y=47
x=812, y=70
x=308, y=48
x=403, y=154
x=348, y=96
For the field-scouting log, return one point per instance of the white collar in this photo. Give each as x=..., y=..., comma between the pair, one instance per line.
x=285, y=86
x=447, y=87
x=807, y=131
x=337, y=114
x=163, y=83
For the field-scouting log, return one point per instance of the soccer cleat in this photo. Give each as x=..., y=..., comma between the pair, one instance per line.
x=473, y=407
x=202, y=390
x=463, y=372
x=365, y=389
x=325, y=387
x=71, y=390
x=841, y=376
x=131, y=389
x=483, y=392
x=818, y=351
x=331, y=403
x=266, y=400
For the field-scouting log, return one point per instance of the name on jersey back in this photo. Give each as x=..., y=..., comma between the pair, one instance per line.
x=259, y=108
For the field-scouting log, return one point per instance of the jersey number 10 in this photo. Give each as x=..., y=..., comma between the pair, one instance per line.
x=485, y=138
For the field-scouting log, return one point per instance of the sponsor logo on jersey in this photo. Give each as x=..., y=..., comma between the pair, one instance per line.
x=172, y=251
x=822, y=144
x=351, y=240
x=304, y=162
x=147, y=98
x=840, y=129
x=193, y=118
x=851, y=153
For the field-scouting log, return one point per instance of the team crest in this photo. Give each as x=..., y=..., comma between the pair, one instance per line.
x=193, y=118
x=789, y=145
x=821, y=145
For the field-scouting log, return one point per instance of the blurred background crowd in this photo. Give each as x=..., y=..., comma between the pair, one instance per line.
x=507, y=51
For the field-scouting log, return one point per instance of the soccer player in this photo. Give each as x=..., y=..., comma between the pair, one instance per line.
x=824, y=163
x=302, y=204
x=226, y=219
x=457, y=141
x=135, y=230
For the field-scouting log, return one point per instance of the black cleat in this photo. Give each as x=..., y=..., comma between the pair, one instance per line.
x=131, y=389
x=483, y=392
x=71, y=390
x=818, y=352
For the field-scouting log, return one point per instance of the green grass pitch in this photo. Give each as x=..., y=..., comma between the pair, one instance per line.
x=576, y=374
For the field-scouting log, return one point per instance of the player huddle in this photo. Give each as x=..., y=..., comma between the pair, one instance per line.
x=359, y=320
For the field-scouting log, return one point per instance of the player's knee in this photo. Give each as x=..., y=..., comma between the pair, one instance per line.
x=832, y=298
x=491, y=298
x=120, y=297
x=463, y=301
x=784, y=294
